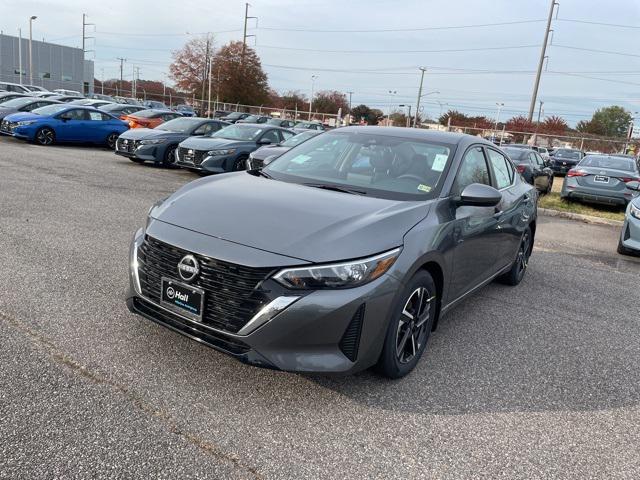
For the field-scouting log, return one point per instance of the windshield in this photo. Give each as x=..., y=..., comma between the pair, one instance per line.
x=615, y=163
x=377, y=165
x=299, y=138
x=50, y=109
x=178, y=125
x=570, y=154
x=239, y=132
x=235, y=115
x=18, y=102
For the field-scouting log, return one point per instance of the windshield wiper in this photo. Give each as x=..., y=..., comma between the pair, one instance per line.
x=336, y=188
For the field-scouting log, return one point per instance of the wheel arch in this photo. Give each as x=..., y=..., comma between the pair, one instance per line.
x=437, y=274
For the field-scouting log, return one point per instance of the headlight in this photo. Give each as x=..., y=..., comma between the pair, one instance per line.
x=635, y=211
x=25, y=123
x=338, y=275
x=216, y=153
x=153, y=142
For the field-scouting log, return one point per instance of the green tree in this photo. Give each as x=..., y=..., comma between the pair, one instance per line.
x=609, y=121
x=330, y=101
x=370, y=115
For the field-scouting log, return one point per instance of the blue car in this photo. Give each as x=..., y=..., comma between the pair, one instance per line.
x=64, y=123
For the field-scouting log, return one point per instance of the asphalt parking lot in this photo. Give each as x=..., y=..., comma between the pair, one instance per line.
x=538, y=381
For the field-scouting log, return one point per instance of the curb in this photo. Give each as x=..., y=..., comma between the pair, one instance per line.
x=579, y=217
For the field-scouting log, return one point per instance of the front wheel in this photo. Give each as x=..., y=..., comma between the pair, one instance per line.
x=240, y=164
x=622, y=250
x=169, y=159
x=45, y=136
x=515, y=275
x=410, y=327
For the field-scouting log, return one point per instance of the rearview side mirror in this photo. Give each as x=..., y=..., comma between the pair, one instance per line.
x=264, y=141
x=633, y=186
x=479, y=195
x=65, y=118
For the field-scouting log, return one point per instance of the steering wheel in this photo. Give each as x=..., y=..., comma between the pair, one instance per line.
x=410, y=176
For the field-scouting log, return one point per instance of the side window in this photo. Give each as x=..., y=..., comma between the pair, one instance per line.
x=272, y=135
x=31, y=106
x=473, y=169
x=96, y=116
x=533, y=159
x=286, y=135
x=76, y=114
x=539, y=160
x=501, y=169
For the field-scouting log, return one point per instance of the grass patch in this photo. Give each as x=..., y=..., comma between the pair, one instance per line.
x=553, y=201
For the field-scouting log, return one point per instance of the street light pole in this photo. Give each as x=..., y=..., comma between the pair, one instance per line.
x=20, y=55
x=391, y=93
x=313, y=80
x=415, y=120
x=31, y=19
x=350, y=93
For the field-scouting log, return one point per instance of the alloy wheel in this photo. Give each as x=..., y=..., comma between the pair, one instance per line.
x=523, y=254
x=111, y=140
x=413, y=324
x=45, y=136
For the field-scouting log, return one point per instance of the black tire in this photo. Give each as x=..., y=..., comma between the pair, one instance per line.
x=622, y=250
x=409, y=328
x=550, y=187
x=240, y=164
x=111, y=140
x=169, y=159
x=515, y=275
x=45, y=136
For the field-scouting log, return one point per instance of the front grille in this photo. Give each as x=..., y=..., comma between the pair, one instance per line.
x=190, y=329
x=7, y=126
x=189, y=155
x=351, y=338
x=232, y=295
x=126, y=145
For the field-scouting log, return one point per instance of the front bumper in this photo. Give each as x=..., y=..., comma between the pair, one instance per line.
x=558, y=166
x=630, y=234
x=307, y=336
x=209, y=164
x=134, y=149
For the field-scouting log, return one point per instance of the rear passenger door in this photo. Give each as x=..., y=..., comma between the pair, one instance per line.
x=509, y=212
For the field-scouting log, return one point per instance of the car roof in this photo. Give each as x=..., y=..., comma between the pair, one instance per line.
x=260, y=125
x=417, y=133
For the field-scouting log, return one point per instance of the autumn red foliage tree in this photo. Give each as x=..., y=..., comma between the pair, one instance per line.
x=189, y=69
x=553, y=125
x=330, y=101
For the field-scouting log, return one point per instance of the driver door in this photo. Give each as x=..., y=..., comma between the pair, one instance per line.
x=475, y=233
x=73, y=129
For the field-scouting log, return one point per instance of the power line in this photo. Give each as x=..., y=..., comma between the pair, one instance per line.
x=609, y=52
x=446, y=50
x=603, y=24
x=409, y=29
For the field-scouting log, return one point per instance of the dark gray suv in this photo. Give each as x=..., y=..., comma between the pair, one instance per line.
x=340, y=255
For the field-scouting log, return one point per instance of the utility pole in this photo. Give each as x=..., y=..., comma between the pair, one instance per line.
x=84, y=36
x=500, y=105
x=20, y=54
x=31, y=19
x=209, y=96
x=350, y=93
x=543, y=54
x=540, y=111
x=102, y=81
x=313, y=80
x=415, y=121
x=133, y=81
x=206, y=71
x=245, y=36
x=122, y=60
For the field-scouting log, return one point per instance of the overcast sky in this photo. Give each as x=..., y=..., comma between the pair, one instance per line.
x=145, y=32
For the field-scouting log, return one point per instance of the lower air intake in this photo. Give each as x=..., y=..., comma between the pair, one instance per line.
x=351, y=338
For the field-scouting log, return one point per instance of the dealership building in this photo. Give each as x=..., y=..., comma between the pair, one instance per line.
x=54, y=66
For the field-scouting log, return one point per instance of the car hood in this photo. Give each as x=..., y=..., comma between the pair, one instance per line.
x=22, y=116
x=269, y=150
x=6, y=111
x=149, y=133
x=208, y=143
x=307, y=223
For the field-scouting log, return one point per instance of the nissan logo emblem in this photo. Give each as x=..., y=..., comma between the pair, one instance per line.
x=188, y=267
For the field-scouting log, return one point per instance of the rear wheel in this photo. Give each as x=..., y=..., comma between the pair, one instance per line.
x=169, y=159
x=45, y=136
x=111, y=140
x=410, y=327
x=515, y=275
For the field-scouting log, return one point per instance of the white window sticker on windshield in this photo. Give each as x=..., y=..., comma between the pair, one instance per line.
x=439, y=162
x=300, y=159
x=424, y=188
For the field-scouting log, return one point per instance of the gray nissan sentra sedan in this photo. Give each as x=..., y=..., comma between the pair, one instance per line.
x=341, y=255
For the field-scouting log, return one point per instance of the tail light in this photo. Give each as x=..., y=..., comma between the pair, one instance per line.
x=628, y=179
x=576, y=173
x=521, y=168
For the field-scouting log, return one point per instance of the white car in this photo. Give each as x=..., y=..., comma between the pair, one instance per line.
x=62, y=91
x=629, y=243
